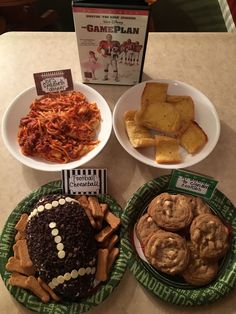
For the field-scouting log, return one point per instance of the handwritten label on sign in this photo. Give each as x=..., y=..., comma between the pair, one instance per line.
x=196, y=184
x=85, y=181
x=53, y=81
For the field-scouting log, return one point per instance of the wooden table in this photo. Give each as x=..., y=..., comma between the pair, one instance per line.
x=204, y=60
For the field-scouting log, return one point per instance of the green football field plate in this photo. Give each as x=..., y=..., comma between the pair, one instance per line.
x=172, y=289
x=29, y=300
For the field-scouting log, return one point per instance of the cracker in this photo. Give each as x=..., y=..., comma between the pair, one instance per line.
x=104, y=234
x=83, y=200
x=21, y=224
x=14, y=265
x=95, y=207
x=48, y=290
x=29, y=283
x=20, y=236
x=112, y=220
x=101, y=271
x=112, y=257
x=24, y=257
x=110, y=242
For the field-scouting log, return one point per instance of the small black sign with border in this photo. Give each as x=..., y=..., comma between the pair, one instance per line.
x=53, y=81
x=84, y=181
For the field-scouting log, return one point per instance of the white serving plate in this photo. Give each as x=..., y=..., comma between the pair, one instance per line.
x=205, y=115
x=19, y=107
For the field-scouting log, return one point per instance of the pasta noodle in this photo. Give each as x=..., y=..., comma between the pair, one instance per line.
x=60, y=127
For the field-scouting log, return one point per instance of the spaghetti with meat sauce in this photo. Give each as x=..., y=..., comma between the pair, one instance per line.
x=60, y=127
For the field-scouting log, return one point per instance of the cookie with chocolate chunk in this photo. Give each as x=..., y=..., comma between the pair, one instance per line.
x=167, y=252
x=199, y=271
x=210, y=236
x=145, y=228
x=171, y=212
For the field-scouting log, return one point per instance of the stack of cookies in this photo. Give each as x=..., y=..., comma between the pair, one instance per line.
x=180, y=235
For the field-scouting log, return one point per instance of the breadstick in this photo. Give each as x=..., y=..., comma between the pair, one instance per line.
x=101, y=271
x=48, y=289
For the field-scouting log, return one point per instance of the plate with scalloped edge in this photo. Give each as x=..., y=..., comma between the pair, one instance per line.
x=29, y=300
x=173, y=289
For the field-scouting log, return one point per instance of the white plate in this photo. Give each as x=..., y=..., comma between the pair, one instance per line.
x=205, y=115
x=20, y=107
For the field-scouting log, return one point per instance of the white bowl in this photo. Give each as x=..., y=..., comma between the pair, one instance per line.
x=20, y=107
x=205, y=115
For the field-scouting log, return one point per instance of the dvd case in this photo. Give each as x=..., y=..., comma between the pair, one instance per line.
x=111, y=38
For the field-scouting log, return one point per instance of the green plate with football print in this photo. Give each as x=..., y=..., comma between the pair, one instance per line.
x=173, y=289
x=28, y=299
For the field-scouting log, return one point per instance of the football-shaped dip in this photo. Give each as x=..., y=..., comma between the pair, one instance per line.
x=62, y=247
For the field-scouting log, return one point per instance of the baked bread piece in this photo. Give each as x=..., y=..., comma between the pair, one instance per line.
x=210, y=236
x=171, y=212
x=154, y=92
x=194, y=138
x=145, y=228
x=199, y=271
x=185, y=107
x=167, y=150
x=160, y=116
x=167, y=252
x=139, y=135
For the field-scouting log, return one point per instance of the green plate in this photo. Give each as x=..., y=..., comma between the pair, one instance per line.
x=29, y=300
x=172, y=289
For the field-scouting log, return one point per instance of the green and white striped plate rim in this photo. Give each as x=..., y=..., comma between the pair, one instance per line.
x=7, y=240
x=161, y=287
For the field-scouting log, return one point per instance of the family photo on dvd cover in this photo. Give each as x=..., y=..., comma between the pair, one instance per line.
x=111, y=54
x=111, y=44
